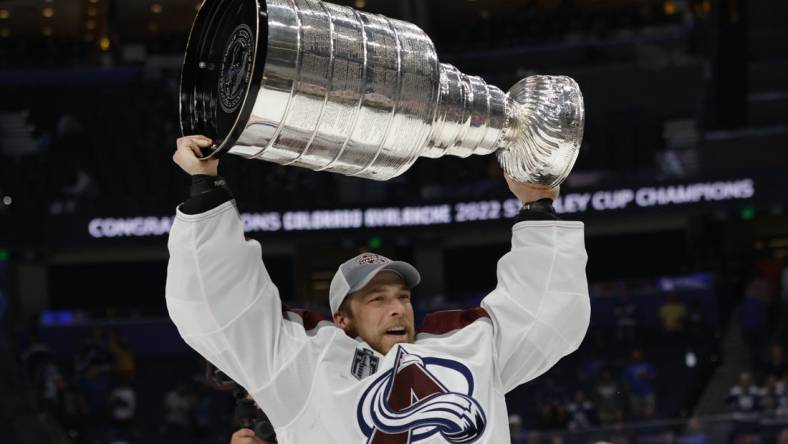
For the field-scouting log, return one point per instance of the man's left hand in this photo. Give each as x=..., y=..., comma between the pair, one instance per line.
x=528, y=192
x=246, y=436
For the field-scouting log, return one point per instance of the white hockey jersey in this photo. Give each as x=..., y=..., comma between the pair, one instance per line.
x=318, y=385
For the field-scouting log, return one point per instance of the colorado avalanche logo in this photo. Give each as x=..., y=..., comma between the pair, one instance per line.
x=409, y=403
x=372, y=259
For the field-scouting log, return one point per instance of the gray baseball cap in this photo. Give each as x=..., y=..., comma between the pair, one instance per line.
x=354, y=274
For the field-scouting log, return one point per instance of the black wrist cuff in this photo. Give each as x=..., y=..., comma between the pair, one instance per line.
x=202, y=183
x=206, y=193
x=541, y=209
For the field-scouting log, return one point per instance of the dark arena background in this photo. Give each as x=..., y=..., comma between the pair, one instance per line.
x=682, y=182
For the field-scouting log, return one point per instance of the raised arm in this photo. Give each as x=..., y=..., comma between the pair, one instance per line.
x=540, y=308
x=218, y=292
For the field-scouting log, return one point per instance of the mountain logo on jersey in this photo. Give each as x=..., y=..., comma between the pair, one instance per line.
x=418, y=398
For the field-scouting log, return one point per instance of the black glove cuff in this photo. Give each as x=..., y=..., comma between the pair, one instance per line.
x=206, y=193
x=541, y=209
x=203, y=183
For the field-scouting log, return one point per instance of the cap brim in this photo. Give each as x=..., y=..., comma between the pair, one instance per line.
x=407, y=271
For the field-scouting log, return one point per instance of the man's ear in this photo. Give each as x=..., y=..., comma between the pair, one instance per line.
x=341, y=320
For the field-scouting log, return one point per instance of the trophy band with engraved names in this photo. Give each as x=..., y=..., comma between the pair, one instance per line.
x=330, y=88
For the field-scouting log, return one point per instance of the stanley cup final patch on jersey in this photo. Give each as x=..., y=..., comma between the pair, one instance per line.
x=365, y=363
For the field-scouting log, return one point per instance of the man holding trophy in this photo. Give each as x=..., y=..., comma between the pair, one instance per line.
x=325, y=87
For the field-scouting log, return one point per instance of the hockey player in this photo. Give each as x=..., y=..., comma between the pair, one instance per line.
x=369, y=376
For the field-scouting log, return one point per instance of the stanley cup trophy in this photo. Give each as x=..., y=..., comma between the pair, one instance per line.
x=330, y=88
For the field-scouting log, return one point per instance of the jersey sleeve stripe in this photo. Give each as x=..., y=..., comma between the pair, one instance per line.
x=309, y=319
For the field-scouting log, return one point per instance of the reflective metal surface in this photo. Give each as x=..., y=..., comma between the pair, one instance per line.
x=364, y=95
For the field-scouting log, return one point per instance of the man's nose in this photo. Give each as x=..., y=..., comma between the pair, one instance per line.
x=397, y=307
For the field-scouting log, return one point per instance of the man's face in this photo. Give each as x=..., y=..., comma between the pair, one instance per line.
x=380, y=313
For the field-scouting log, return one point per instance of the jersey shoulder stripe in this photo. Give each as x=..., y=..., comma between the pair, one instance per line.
x=443, y=322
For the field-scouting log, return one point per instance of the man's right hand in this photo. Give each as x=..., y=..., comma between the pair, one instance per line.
x=189, y=157
x=246, y=436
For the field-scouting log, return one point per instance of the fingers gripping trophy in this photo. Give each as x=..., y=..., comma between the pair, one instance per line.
x=329, y=88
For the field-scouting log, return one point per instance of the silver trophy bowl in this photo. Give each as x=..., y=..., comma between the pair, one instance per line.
x=330, y=88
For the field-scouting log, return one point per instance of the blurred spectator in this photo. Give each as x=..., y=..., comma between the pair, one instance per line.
x=35, y=354
x=515, y=425
x=743, y=398
x=747, y=438
x=608, y=398
x=68, y=126
x=782, y=438
x=769, y=267
x=124, y=365
x=85, y=356
x=49, y=384
x=663, y=437
x=46, y=377
x=625, y=319
x=769, y=397
x=621, y=437
x=92, y=368
x=694, y=433
x=71, y=178
x=697, y=324
x=123, y=404
x=202, y=416
x=754, y=316
x=784, y=282
x=581, y=412
x=553, y=416
x=759, y=288
x=3, y=305
x=590, y=366
x=177, y=410
x=74, y=414
x=783, y=334
x=673, y=314
x=782, y=398
x=775, y=363
x=33, y=349
x=639, y=375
